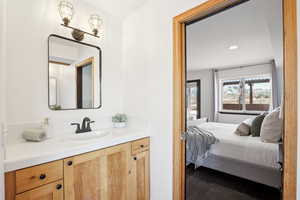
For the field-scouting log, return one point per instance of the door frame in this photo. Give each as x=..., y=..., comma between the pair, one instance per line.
x=290, y=91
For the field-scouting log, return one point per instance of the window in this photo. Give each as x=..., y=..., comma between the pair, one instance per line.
x=232, y=95
x=193, y=99
x=258, y=94
x=246, y=95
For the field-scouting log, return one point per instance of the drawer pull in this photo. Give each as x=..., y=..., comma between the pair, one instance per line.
x=70, y=163
x=58, y=186
x=134, y=158
x=142, y=146
x=42, y=176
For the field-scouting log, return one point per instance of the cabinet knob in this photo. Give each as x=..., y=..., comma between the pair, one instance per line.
x=142, y=146
x=70, y=163
x=58, y=186
x=134, y=158
x=42, y=176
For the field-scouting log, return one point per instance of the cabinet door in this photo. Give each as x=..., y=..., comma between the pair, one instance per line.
x=99, y=175
x=139, y=177
x=53, y=191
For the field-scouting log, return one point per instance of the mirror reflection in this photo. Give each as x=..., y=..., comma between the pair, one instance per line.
x=74, y=74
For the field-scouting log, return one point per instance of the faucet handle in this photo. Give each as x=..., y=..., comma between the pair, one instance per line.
x=78, y=127
x=88, y=125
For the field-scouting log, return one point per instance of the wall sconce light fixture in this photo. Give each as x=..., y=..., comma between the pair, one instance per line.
x=95, y=22
x=66, y=11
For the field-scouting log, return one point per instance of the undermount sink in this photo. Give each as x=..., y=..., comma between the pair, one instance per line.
x=89, y=135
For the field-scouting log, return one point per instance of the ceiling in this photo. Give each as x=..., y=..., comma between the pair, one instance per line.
x=118, y=8
x=255, y=27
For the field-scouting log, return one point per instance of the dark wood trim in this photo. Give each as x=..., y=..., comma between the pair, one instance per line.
x=237, y=113
x=290, y=88
x=247, y=82
x=79, y=87
x=198, y=82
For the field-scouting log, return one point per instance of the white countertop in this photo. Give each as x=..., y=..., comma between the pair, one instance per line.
x=27, y=154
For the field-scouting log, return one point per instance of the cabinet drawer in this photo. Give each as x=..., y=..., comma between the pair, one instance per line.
x=33, y=177
x=139, y=146
x=52, y=191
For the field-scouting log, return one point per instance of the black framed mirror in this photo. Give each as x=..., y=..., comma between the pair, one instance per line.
x=74, y=74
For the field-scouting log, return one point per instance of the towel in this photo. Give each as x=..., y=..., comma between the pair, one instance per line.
x=34, y=134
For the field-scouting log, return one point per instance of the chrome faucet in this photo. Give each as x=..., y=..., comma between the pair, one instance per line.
x=85, y=126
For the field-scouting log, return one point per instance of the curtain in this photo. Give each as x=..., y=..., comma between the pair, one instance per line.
x=275, y=88
x=215, y=107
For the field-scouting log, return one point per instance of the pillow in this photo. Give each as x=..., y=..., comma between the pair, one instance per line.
x=248, y=121
x=256, y=125
x=243, y=129
x=271, y=129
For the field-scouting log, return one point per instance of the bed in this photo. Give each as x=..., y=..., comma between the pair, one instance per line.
x=242, y=156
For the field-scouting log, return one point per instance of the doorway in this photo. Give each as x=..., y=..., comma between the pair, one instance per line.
x=84, y=83
x=290, y=91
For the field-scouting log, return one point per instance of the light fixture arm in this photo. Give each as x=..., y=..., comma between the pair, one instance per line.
x=84, y=32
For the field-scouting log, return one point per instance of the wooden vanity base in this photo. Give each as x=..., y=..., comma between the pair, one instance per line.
x=119, y=172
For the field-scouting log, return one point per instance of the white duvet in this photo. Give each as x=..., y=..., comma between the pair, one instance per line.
x=244, y=148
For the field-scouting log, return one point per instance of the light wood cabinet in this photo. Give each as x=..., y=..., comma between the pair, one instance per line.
x=33, y=177
x=139, y=176
x=116, y=173
x=139, y=146
x=98, y=175
x=52, y=191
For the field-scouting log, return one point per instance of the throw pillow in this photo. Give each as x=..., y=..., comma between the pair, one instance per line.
x=271, y=129
x=256, y=125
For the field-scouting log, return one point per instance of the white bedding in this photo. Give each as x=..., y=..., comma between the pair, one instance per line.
x=244, y=148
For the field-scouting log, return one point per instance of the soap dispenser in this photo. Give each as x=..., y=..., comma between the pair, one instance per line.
x=46, y=127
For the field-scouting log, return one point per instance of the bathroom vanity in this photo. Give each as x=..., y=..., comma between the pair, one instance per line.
x=110, y=164
x=111, y=172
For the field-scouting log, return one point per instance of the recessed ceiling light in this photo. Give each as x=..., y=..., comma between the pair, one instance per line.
x=233, y=47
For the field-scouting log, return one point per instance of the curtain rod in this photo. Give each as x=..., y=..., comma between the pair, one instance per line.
x=243, y=66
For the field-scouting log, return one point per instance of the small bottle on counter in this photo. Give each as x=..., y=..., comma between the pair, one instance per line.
x=46, y=127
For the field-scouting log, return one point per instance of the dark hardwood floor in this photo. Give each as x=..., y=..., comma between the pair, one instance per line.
x=207, y=184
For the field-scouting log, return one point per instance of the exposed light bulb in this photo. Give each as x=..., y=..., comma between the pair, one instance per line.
x=66, y=11
x=233, y=47
x=95, y=22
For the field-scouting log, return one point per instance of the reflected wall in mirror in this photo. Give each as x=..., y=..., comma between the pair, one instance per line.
x=74, y=74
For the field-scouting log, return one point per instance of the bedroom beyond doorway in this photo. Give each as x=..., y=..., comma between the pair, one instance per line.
x=234, y=116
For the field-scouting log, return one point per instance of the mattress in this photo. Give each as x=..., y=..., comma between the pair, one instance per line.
x=242, y=148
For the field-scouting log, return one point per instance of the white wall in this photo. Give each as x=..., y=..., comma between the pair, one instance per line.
x=206, y=91
x=2, y=90
x=147, y=88
x=27, y=93
x=62, y=53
